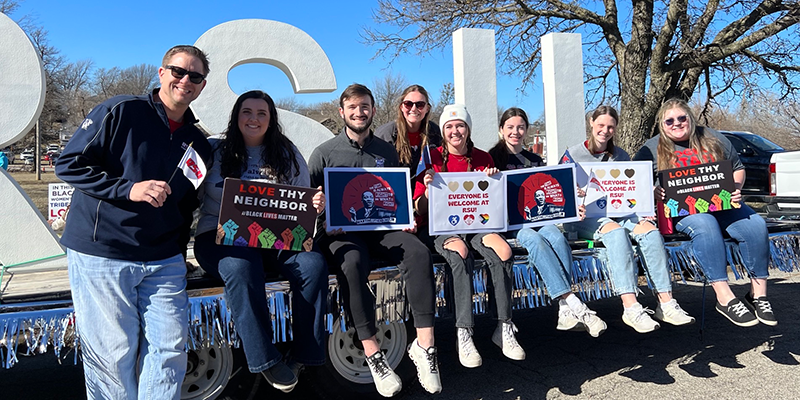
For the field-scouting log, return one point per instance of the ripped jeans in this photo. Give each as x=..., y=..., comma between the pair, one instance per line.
x=462, y=269
x=619, y=257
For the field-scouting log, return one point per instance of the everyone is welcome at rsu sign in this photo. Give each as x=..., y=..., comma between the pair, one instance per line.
x=266, y=215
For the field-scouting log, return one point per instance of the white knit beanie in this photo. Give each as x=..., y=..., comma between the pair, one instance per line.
x=455, y=111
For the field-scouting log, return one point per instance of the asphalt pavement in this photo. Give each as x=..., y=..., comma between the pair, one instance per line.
x=721, y=362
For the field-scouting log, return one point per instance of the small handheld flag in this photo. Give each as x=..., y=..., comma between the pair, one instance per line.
x=594, y=189
x=424, y=161
x=192, y=166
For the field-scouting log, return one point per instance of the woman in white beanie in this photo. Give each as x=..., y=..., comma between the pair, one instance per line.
x=458, y=154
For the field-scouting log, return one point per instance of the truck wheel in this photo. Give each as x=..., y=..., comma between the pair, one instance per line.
x=208, y=371
x=346, y=367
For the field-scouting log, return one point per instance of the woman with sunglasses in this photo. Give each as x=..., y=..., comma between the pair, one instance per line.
x=548, y=249
x=253, y=147
x=458, y=154
x=681, y=142
x=616, y=235
x=412, y=130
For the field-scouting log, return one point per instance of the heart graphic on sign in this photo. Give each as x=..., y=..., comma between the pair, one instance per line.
x=483, y=185
x=600, y=173
x=468, y=185
x=453, y=186
x=484, y=218
x=616, y=203
x=615, y=173
x=469, y=219
x=630, y=172
x=453, y=220
x=601, y=203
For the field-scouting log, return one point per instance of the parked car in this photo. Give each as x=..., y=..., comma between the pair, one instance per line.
x=784, y=196
x=755, y=153
x=27, y=157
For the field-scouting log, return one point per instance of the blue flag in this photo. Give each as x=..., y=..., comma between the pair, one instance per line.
x=424, y=161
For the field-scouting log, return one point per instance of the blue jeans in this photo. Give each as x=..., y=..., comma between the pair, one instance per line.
x=743, y=225
x=242, y=270
x=550, y=254
x=130, y=316
x=619, y=253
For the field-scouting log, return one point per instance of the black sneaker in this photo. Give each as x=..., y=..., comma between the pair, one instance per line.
x=738, y=313
x=762, y=309
x=280, y=377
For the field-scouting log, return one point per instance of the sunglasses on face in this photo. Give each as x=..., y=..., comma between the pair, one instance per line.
x=179, y=73
x=410, y=104
x=681, y=119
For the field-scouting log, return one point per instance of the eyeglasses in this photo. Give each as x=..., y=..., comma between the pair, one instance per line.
x=179, y=73
x=681, y=119
x=410, y=104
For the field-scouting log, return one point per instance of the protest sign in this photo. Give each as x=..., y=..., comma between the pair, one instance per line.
x=697, y=188
x=368, y=199
x=59, y=196
x=466, y=202
x=266, y=216
x=622, y=188
x=541, y=196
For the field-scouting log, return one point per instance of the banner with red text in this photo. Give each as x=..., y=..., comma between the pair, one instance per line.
x=625, y=188
x=466, y=202
x=697, y=189
x=266, y=216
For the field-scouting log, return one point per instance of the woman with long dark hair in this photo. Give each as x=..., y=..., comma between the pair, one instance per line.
x=548, y=250
x=681, y=142
x=254, y=147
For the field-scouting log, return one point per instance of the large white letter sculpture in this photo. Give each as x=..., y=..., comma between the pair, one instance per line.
x=562, y=71
x=26, y=237
x=269, y=42
x=475, y=81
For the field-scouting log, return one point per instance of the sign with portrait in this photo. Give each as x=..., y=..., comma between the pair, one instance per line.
x=621, y=188
x=466, y=202
x=266, y=216
x=541, y=196
x=368, y=199
x=59, y=195
x=697, y=188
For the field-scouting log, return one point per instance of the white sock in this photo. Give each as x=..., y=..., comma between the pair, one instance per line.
x=669, y=303
x=573, y=302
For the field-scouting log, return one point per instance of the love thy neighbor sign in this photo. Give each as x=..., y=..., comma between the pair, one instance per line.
x=698, y=188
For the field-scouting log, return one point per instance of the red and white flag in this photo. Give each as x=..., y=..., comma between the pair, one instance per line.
x=594, y=189
x=193, y=167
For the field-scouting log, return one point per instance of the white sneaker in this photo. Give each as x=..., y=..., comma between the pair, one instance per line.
x=467, y=353
x=504, y=337
x=638, y=318
x=672, y=313
x=567, y=320
x=591, y=322
x=427, y=364
x=386, y=381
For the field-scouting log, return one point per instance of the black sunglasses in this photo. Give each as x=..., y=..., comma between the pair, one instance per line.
x=681, y=119
x=179, y=73
x=410, y=104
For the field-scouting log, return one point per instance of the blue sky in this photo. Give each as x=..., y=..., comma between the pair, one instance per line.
x=126, y=33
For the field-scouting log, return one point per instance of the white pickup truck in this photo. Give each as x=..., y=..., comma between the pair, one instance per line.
x=784, y=179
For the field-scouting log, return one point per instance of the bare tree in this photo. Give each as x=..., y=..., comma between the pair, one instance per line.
x=137, y=80
x=289, y=104
x=637, y=55
x=447, y=95
x=387, y=92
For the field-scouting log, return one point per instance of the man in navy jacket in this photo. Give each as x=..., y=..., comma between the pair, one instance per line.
x=128, y=227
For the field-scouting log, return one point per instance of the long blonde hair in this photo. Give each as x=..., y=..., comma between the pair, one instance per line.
x=699, y=139
x=401, y=144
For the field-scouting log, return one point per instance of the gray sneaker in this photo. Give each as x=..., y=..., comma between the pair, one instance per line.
x=504, y=337
x=467, y=353
x=567, y=320
x=589, y=319
x=280, y=377
x=672, y=313
x=427, y=363
x=638, y=318
x=386, y=381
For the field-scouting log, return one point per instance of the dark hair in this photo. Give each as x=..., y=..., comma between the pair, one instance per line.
x=401, y=144
x=499, y=151
x=277, y=151
x=356, y=90
x=603, y=110
x=190, y=50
